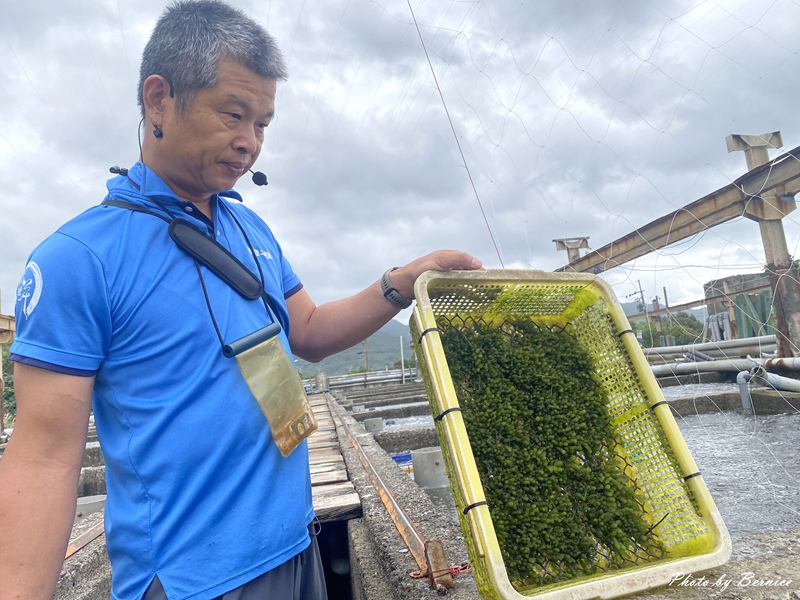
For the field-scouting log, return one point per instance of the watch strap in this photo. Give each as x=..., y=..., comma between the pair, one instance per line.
x=390, y=292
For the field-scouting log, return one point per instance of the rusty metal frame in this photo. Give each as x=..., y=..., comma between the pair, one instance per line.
x=429, y=555
x=741, y=198
x=84, y=539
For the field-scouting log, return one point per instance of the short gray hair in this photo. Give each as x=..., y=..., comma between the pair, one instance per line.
x=190, y=39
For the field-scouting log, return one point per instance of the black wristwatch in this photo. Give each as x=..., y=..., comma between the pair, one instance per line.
x=390, y=292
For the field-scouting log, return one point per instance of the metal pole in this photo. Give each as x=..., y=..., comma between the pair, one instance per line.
x=366, y=363
x=646, y=312
x=573, y=254
x=666, y=308
x=657, y=319
x=768, y=210
x=402, y=362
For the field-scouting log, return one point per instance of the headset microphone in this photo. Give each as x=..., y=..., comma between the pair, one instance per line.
x=258, y=177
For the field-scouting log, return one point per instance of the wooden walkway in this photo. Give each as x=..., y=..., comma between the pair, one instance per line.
x=335, y=498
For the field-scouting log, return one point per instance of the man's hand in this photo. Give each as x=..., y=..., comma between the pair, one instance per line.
x=441, y=260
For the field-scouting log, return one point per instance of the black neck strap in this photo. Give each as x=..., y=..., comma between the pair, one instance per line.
x=213, y=255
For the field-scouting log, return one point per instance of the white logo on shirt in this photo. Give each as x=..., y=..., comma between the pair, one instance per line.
x=29, y=289
x=265, y=253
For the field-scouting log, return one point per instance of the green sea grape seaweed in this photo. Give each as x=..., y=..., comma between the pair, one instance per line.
x=544, y=446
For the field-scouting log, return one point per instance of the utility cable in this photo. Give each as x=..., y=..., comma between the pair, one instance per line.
x=455, y=135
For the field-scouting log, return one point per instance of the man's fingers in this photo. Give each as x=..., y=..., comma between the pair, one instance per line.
x=449, y=260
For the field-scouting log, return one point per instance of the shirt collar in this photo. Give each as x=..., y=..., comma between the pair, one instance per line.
x=144, y=182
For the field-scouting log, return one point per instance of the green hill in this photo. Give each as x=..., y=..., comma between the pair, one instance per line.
x=383, y=351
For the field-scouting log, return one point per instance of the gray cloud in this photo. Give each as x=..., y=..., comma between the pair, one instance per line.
x=575, y=119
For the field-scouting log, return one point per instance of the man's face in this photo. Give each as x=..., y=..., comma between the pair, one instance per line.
x=207, y=147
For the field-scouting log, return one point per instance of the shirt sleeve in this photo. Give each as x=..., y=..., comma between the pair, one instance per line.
x=290, y=282
x=63, y=319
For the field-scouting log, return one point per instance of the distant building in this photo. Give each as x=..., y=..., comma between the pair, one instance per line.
x=739, y=306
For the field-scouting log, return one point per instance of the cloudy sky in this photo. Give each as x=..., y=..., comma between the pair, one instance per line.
x=576, y=118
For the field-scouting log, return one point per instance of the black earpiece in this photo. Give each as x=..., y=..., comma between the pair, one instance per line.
x=157, y=133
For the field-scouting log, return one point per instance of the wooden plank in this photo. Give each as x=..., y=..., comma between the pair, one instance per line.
x=324, y=430
x=323, y=455
x=312, y=442
x=315, y=443
x=324, y=433
x=338, y=508
x=323, y=439
x=312, y=450
x=322, y=443
x=334, y=489
x=326, y=467
x=328, y=478
x=317, y=452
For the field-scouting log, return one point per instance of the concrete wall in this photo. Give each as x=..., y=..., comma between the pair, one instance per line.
x=380, y=561
x=86, y=575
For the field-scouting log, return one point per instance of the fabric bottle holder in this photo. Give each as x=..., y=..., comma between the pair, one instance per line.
x=275, y=384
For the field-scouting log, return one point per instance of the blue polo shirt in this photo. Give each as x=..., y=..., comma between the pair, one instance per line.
x=198, y=492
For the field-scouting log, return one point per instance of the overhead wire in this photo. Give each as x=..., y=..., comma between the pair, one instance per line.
x=455, y=136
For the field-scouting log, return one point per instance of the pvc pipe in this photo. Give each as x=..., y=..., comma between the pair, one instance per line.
x=429, y=468
x=736, y=352
x=762, y=340
x=697, y=356
x=730, y=365
x=711, y=366
x=743, y=379
x=760, y=375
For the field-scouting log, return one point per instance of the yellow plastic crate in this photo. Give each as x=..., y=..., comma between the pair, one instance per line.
x=653, y=454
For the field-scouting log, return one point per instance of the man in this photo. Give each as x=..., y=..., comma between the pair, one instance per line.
x=111, y=314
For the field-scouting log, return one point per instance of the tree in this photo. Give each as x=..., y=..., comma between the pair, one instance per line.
x=685, y=329
x=409, y=363
x=9, y=400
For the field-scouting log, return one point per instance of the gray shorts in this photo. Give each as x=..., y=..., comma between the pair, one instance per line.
x=299, y=578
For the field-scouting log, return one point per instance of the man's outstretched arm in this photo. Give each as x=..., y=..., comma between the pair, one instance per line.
x=319, y=331
x=39, y=479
